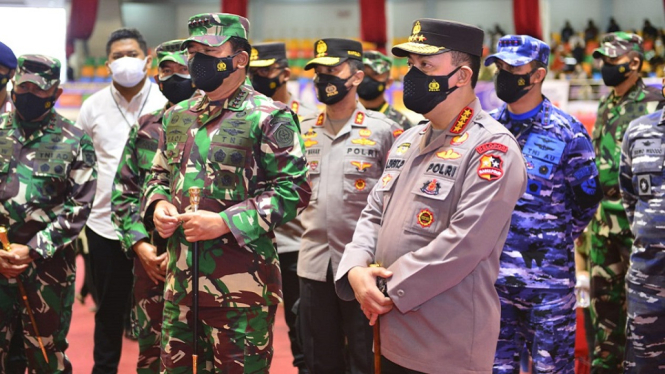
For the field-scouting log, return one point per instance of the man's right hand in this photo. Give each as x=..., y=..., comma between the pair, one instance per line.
x=7, y=268
x=166, y=218
x=372, y=302
x=147, y=254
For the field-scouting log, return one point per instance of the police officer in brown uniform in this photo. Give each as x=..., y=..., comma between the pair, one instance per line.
x=346, y=148
x=438, y=218
x=269, y=72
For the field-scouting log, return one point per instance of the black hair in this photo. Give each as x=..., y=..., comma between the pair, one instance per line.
x=240, y=44
x=460, y=58
x=282, y=63
x=125, y=33
x=355, y=65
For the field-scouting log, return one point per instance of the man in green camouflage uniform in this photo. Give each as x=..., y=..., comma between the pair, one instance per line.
x=47, y=185
x=138, y=241
x=376, y=82
x=610, y=235
x=246, y=154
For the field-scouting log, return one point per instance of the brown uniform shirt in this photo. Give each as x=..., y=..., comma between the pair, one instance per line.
x=438, y=219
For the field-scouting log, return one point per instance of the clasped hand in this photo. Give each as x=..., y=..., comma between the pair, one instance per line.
x=372, y=301
x=197, y=226
x=14, y=262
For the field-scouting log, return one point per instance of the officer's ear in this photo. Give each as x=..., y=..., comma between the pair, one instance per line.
x=465, y=73
x=358, y=77
x=243, y=59
x=58, y=92
x=635, y=63
x=539, y=75
x=287, y=74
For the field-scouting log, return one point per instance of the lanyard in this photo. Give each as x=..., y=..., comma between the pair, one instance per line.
x=140, y=110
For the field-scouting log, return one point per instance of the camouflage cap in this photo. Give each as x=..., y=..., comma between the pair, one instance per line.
x=377, y=61
x=617, y=44
x=171, y=51
x=214, y=29
x=44, y=71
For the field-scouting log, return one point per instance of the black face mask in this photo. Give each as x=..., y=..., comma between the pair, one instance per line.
x=370, y=88
x=208, y=73
x=330, y=89
x=31, y=106
x=614, y=75
x=177, y=87
x=266, y=86
x=4, y=78
x=423, y=92
x=512, y=87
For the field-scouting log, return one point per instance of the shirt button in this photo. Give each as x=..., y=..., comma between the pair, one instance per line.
x=400, y=293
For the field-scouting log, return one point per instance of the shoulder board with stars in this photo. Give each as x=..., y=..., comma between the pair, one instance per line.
x=238, y=99
x=462, y=120
x=360, y=118
x=319, y=120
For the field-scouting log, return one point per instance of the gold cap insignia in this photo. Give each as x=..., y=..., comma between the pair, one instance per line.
x=434, y=86
x=331, y=90
x=255, y=55
x=416, y=28
x=221, y=66
x=321, y=48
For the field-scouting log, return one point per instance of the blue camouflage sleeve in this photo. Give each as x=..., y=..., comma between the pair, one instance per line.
x=582, y=179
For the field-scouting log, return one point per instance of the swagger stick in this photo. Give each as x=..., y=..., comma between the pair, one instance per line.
x=194, y=198
x=377, y=328
x=7, y=247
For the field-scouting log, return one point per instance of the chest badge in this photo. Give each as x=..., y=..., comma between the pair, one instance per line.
x=425, y=218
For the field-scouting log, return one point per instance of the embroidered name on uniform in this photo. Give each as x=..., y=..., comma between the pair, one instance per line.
x=462, y=120
x=491, y=147
x=448, y=154
x=443, y=169
x=312, y=152
x=362, y=152
x=394, y=163
x=491, y=167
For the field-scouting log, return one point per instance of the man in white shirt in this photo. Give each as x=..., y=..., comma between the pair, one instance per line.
x=107, y=117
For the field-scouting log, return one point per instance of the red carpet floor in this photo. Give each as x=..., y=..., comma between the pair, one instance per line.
x=83, y=324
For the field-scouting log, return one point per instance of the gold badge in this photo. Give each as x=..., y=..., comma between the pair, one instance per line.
x=622, y=69
x=321, y=48
x=255, y=55
x=47, y=105
x=363, y=141
x=221, y=66
x=425, y=218
x=434, y=86
x=521, y=82
x=331, y=90
x=448, y=154
x=364, y=132
x=360, y=184
x=309, y=143
x=381, y=87
x=402, y=148
x=416, y=28
x=273, y=85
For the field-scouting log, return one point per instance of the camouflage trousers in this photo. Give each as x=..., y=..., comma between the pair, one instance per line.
x=49, y=285
x=543, y=321
x=148, y=311
x=645, y=329
x=609, y=255
x=231, y=340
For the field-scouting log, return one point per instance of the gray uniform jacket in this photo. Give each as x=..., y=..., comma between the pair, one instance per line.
x=438, y=220
x=288, y=235
x=342, y=169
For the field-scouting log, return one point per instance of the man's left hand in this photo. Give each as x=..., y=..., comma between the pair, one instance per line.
x=23, y=253
x=203, y=225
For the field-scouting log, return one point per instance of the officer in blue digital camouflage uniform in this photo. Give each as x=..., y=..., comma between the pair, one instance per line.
x=641, y=182
x=536, y=280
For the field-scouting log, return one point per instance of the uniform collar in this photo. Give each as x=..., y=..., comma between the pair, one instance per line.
x=541, y=119
x=47, y=125
x=462, y=122
x=139, y=96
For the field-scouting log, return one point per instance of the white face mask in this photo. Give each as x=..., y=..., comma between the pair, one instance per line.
x=128, y=71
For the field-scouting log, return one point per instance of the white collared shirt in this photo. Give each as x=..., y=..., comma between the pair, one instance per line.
x=107, y=118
